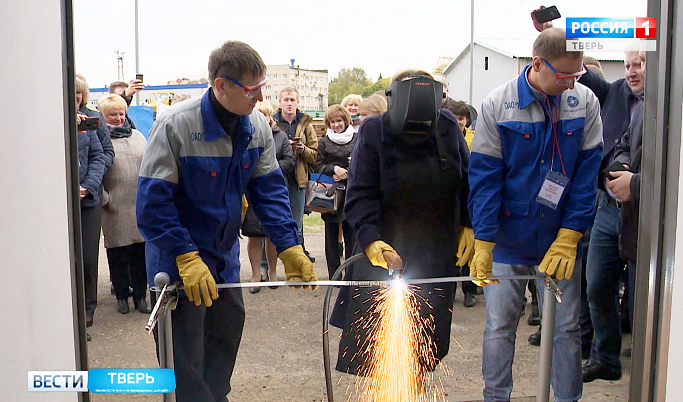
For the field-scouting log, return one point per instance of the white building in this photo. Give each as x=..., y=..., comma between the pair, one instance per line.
x=493, y=67
x=311, y=84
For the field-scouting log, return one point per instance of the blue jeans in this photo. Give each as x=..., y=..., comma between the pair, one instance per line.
x=503, y=310
x=604, y=266
x=297, y=201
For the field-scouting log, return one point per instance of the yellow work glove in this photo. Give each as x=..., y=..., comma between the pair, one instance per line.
x=383, y=255
x=297, y=266
x=465, y=247
x=481, y=266
x=245, y=205
x=197, y=279
x=560, y=258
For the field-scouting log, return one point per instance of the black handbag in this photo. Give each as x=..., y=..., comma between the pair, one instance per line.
x=324, y=197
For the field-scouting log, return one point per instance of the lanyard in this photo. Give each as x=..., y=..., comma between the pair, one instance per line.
x=555, y=142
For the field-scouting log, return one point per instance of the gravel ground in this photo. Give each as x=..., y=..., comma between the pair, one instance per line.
x=280, y=357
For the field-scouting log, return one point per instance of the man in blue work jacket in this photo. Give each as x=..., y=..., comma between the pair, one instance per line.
x=202, y=156
x=532, y=189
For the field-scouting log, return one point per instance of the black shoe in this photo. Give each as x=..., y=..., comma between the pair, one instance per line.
x=597, y=370
x=535, y=317
x=469, y=301
x=535, y=339
x=88, y=338
x=310, y=257
x=254, y=289
x=122, y=306
x=141, y=305
x=89, y=319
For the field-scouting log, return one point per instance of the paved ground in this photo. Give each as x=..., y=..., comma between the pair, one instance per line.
x=280, y=358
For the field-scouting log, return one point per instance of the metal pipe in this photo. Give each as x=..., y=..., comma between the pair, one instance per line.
x=545, y=361
x=137, y=53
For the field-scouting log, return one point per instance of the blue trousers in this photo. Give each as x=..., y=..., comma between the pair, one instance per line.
x=604, y=267
x=503, y=309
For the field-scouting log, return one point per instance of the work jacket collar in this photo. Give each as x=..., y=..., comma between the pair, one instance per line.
x=212, y=127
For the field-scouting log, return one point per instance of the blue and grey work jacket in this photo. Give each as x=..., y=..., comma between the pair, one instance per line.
x=192, y=179
x=513, y=152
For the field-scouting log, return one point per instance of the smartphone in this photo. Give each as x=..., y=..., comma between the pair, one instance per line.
x=547, y=14
x=296, y=139
x=90, y=123
x=138, y=77
x=616, y=166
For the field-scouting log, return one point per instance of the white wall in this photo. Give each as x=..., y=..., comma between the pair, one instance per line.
x=36, y=316
x=501, y=69
x=674, y=385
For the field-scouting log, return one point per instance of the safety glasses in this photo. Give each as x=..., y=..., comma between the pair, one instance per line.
x=249, y=92
x=566, y=79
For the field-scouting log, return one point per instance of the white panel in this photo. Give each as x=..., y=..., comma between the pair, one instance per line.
x=36, y=318
x=674, y=385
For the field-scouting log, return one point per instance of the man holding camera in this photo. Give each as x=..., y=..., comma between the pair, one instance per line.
x=203, y=154
x=304, y=141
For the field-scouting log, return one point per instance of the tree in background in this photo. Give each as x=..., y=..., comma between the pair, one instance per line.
x=354, y=81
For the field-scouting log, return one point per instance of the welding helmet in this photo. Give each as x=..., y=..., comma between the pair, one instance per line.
x=414, y=104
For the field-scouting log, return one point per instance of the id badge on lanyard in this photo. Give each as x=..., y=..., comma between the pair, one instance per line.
x=555, y=182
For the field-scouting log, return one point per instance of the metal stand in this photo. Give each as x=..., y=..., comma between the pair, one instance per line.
x=551, y=295
x=161, y=317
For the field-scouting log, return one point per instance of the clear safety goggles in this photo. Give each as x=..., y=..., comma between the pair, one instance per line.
x=249, y=91
x=566, y=79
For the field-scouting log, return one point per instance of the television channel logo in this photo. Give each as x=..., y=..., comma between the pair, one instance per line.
x=612, y=28
x=611, y=34
x=103, y=381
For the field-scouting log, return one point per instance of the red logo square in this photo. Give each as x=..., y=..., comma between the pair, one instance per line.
x=646, y=28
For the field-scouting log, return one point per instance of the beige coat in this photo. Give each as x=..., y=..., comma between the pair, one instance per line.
x=305, y=162
x=119, y=223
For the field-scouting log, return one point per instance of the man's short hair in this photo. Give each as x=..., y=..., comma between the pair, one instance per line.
x=374, y=104
x=264, y=107
x=111, y=101
x=235, y=59
x=117, y=84
x=551, y=44
x=337, y=111
x=458, y=108
x=289, y=90
x=82, y=87
x=351, y=98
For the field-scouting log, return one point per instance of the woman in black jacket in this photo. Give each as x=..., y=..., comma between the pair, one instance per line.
x=251, y=227
x=334, y=156
x=91, y=205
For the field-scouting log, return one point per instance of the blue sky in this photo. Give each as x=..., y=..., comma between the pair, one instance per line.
x=380, y=36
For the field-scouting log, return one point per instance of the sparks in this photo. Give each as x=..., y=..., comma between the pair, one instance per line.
x=399, y=350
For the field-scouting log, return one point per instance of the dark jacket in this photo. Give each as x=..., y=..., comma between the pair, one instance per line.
x=614, y=100
x=284, y=154
x=379, y=150
x=102, y=135
x=628, y=152
x=90, y=167
x=329, y=156
x=302, y=128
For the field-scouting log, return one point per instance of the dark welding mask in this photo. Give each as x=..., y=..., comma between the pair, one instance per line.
x=414, y=104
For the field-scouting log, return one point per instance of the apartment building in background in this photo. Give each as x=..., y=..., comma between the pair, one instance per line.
x=311, y=84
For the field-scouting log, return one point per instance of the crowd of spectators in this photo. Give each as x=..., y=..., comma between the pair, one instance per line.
x=585, y=237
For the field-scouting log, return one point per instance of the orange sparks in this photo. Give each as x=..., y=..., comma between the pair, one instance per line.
x=399, y=350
